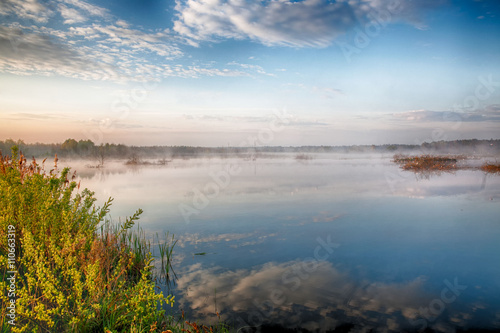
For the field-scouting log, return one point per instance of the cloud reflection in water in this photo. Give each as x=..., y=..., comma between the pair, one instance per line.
x=313, y=295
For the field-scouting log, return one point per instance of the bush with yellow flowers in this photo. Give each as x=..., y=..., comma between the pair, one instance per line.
x=63, y=268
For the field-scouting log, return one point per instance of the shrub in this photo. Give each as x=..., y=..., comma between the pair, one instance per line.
x=75, y=272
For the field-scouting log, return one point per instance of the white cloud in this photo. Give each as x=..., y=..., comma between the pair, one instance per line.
x=29, y=53
x=95, y=50
x=131, y=39
x=197, y=71
x=328, y=92
x=251, y=68
x=490, y=113
x=307, y=23
x=89, y=8
x=122, y=23
x=26, y=9
x=70, y=15
x=94, y=45
x=115, y=54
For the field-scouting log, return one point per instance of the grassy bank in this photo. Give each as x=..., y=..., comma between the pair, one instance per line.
x=65, y=268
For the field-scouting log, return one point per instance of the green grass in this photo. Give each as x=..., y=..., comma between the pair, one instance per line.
x=76, y=270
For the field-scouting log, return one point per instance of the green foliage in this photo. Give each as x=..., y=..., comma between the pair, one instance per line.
x=71, y=277
x=69, y=145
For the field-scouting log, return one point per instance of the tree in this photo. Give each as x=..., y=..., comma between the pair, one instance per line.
x=85, y=147
x=100, y=154
x=69, y=146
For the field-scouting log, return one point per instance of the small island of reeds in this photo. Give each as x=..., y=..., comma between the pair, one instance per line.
x=491, y=167
x=430, y=163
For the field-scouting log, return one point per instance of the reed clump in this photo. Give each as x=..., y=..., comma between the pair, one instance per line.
x=303, y=157
x=136, y=161
x=491, y=167
x=74, y=271
x=428, y=162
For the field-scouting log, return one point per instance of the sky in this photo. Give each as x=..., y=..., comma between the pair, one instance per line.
x=245, y=73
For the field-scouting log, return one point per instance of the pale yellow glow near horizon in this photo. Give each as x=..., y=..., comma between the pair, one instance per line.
x=51, y=110
x=135, y=129
x=35, y=131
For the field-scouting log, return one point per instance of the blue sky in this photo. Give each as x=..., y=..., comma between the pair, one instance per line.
x=216, y=72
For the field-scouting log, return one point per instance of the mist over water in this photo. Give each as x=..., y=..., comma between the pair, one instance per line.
x=320, y=241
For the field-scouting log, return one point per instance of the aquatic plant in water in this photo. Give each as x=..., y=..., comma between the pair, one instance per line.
x=436, y=164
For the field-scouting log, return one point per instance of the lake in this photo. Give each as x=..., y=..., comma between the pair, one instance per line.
x=334, y=241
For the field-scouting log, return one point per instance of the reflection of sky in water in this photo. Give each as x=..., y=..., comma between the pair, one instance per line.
x=398, y=237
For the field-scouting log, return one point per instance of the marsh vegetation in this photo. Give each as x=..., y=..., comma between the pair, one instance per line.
x=70, y=268
x=430, y=163
x=491, y=167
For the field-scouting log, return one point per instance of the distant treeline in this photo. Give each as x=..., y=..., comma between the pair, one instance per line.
x=88, y=149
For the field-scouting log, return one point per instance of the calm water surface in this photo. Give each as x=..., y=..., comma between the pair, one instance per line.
x=337, y=241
